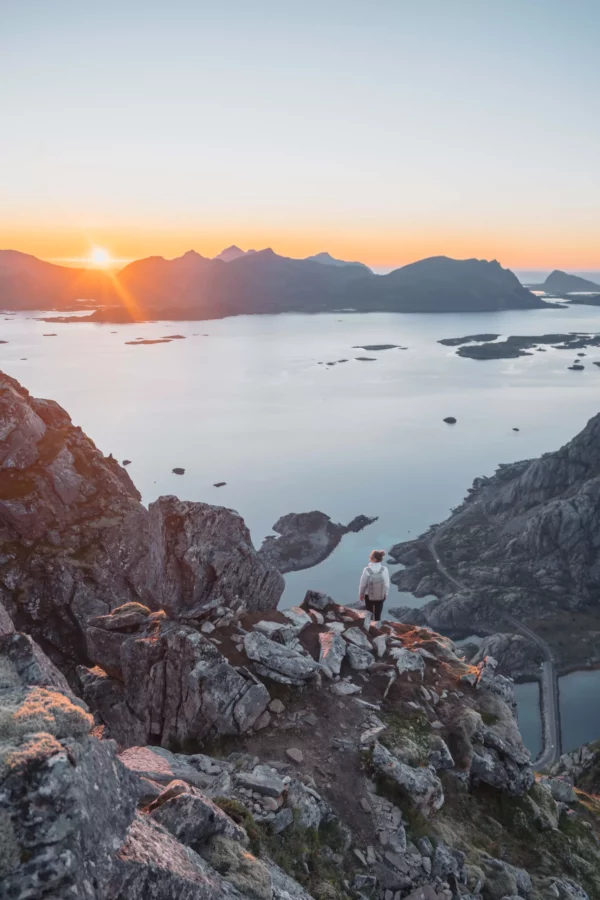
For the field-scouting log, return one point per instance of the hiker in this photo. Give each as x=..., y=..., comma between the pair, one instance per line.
x=374, y=584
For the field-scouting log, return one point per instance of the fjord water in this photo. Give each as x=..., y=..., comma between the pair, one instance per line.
x=245, y=401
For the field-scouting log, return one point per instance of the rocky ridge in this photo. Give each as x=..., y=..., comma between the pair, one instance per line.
x=525, y=543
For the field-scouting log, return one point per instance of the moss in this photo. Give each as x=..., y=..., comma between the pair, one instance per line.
x=408, y=735
x=240, y=815
x=489, y=718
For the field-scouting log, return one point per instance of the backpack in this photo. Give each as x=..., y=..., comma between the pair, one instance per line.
x=376, y=585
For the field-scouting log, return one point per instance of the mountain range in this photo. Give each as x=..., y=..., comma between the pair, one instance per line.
x=195, y=287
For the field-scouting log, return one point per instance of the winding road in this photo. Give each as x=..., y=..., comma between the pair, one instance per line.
x=551, y=738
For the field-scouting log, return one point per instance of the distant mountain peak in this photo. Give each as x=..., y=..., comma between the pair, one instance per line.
x=230, y=253
x=326, y=259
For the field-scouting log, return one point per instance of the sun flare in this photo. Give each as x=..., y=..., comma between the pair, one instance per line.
x=99, y=256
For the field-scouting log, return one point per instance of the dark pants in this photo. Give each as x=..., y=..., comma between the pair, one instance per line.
x=375, y=607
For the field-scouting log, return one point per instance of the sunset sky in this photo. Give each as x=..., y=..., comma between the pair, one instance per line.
x=383, y=131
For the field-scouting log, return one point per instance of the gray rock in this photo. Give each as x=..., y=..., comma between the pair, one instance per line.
x=422, y=787
x=562, y=790
x=30, y=665
x=151, y=863
x=502, y=879
x=192, y=817
x=380, y=644
x=407, y=661
x=65, y=799
x=279, y=660
x=332, y=653
x=439, y=755
x=295, y=754
x=175, y=687
x=263, y=780
x=318, y=601
x=569, y=890
x=345, y=688
x=284, y=887
x=359, y=660
x=357, y=637
x=163, y=766
x=307, y=809
x=298, y=617
x=6, y=623
x=282, y=820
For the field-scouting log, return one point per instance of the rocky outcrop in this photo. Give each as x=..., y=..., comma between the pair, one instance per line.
x=159, y=680
x=77, y=543
x=68, y=818
x=524, y=543
x=516, y=655
x=580, y=768
x=306, y=539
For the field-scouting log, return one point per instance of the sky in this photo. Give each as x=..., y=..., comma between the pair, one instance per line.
x=383, y=131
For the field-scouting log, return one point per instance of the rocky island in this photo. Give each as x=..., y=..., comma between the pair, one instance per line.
x=488, y=347
x=306, y=539
x=167, y=733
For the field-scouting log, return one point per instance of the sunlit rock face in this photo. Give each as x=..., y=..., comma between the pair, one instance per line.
x=77, y=542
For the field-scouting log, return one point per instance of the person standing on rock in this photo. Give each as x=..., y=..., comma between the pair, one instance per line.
x=374, y=584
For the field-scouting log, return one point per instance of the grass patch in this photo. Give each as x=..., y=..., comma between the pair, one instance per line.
x=306, y=854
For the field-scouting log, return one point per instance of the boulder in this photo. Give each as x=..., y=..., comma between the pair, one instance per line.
x=192, y=817
x=407, y=661
x=318, y=601
x=167, y=683
x=357, y=637
x=279, y=663
x=359, y=660
x=262, y=780
x=151, y=863
x=332, y=654
x=422, y=787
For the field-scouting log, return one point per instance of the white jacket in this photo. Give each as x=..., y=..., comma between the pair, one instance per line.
x=364, y=579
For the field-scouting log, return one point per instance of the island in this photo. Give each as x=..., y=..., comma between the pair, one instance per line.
x=306, y=539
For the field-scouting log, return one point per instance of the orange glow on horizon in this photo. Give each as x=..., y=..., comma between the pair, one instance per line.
x=385, y=247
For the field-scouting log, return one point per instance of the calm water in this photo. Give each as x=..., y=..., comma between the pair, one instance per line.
x=243, y=400
x=530, y=719
x=579, y=708
x=579, y=697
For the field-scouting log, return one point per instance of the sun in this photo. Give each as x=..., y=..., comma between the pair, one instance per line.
x=99, y=256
